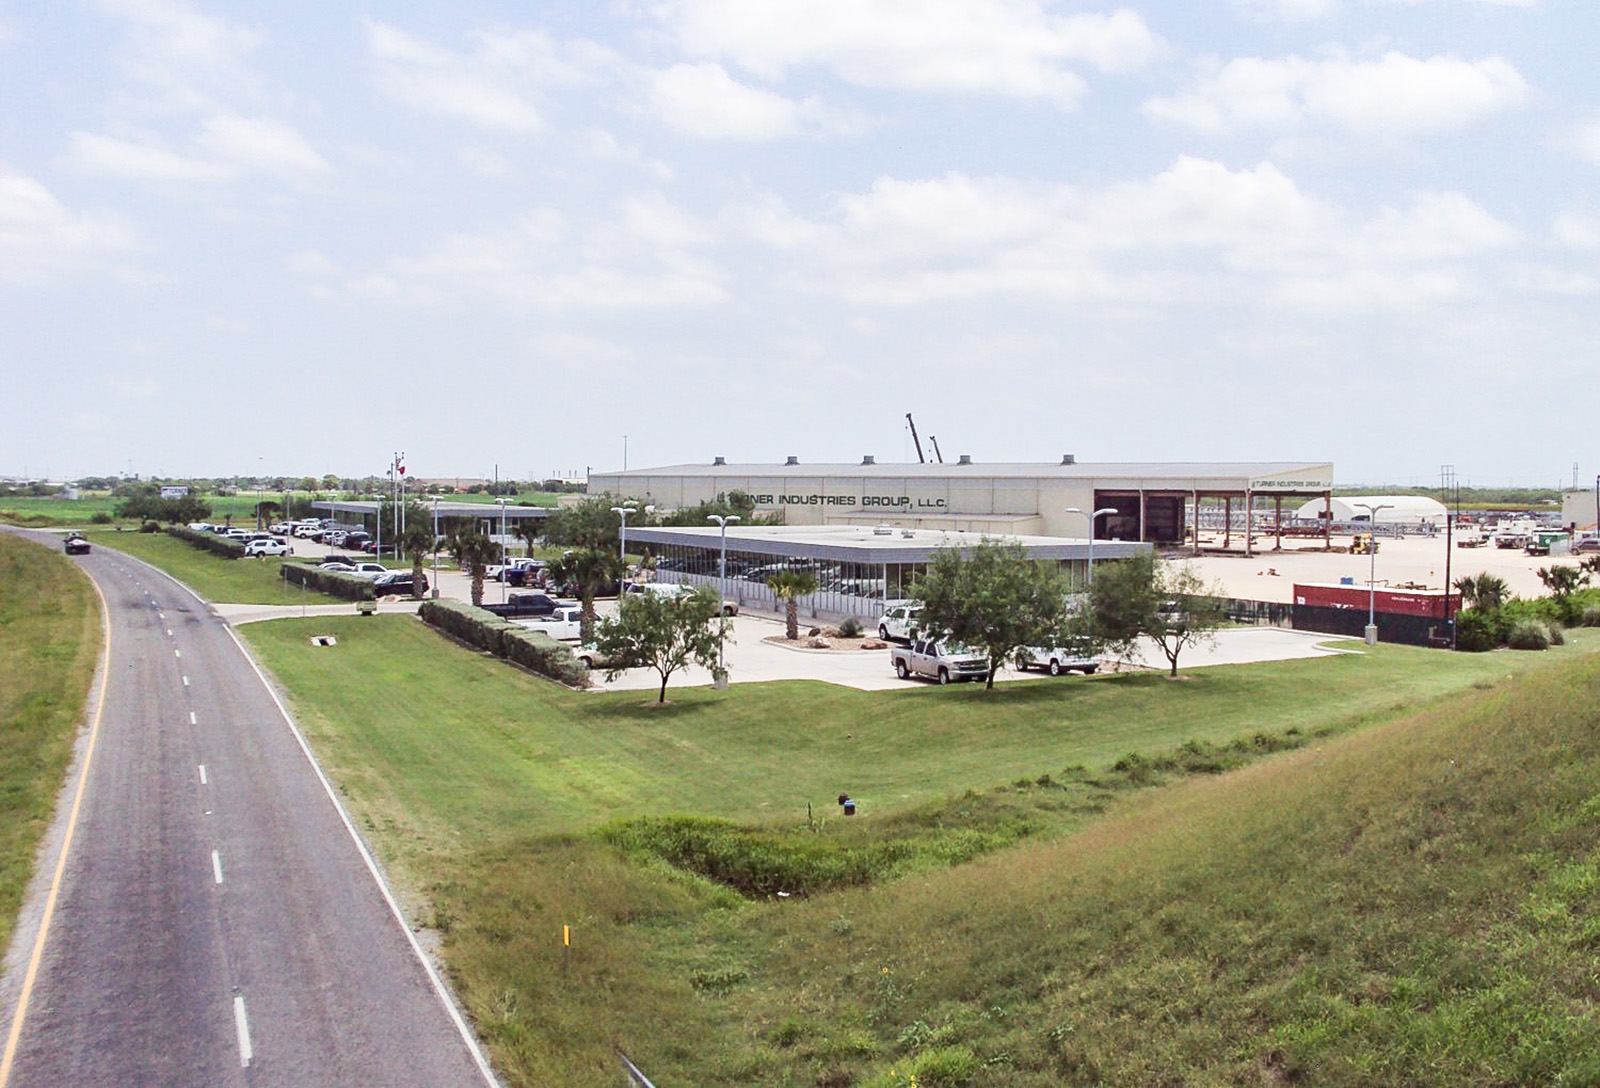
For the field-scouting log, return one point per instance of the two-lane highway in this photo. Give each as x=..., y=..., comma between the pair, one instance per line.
x=218, y=921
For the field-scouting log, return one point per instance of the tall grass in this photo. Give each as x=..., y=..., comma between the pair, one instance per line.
x=1049, y=884
x=49, y=641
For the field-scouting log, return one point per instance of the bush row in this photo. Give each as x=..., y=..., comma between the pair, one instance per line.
x=211, y=542
x=533, y=650
x=1520, y=623
x=333, y=583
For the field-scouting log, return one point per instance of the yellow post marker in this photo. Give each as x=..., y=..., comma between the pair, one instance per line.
x=566, y=946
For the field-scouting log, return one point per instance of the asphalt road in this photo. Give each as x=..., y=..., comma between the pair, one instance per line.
x=218, y=923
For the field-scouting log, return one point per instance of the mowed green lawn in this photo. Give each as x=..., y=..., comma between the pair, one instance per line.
x=222, y=581
x=483, y=788
x=49, y=642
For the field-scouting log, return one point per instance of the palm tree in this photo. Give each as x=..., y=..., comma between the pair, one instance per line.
x=1483, y=592
x=474, y=552
x=590, y=568
x=417, y=540
x=789, y=586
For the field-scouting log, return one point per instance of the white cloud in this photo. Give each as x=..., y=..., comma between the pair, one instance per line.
x=96, y=154
x=1015, y=48
x=495, y=86
x=647, y=258
x=1585, y=141
x=260, y=143
x=1574, y=230
x=1290, y=11
x=1393, y=95
x=41, y=239
x=1195, y=231
x=703, y=100
x=188, y=60
x=603, y=145
x=227, y=145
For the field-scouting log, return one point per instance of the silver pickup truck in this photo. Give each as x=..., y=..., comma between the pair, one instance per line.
x=930, y=659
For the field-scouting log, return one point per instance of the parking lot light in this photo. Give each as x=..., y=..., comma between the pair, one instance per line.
x=722, y=580
x=1089, y=580
x=1372, y=576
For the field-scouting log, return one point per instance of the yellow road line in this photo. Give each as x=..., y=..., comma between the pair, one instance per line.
x=31, y=976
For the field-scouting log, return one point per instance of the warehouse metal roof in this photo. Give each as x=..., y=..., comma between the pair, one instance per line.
x=871, y=544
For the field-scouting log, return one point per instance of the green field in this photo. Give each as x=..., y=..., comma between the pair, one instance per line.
x=78, y=513
x=223, y=581
x=1037, y=907
x=49, y=641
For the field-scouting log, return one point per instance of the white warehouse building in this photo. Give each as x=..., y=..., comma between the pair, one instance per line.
x=1158, y=503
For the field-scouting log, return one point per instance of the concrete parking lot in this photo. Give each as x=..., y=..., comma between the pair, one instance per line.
x=753, y=659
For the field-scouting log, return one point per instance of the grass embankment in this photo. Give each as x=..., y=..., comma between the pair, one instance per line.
x=49, y=641
x=1356, y=913
x=222, y=581
x=80, y=512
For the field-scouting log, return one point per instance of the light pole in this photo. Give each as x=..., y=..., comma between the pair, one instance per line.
x=1372, y=576
x=622, y=537
x=436, y=547
x=501, y=502
x=722, y=581
x=1091, y=516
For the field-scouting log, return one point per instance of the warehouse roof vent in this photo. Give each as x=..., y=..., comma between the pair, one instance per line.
x=966, y=459
x=869, y=460
x=1069, y=458
x=719, y=460
x=792, y=461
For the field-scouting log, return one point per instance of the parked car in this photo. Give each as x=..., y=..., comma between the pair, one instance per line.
x=900, y=622
x=1056, y=660
x=930, y=659
x=1588, y=544
x=75, y=544
x=676, y=589
x=270, y=546
x=398, y=583
x=279, y=528
x=307, y=532
x=338, y=568
x=365, y=569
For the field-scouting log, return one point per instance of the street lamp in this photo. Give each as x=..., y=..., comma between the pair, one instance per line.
x=1372, y=576
x=722, y=580
x=1098, y=513
x=436, y=547
x=622, y=537
x=501, y=502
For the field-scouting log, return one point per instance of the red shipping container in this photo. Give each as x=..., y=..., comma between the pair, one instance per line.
x=1394, y=602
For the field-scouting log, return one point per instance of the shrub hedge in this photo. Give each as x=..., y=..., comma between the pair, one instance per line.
x=211, y=542
x=332, y=582
x=533, y=650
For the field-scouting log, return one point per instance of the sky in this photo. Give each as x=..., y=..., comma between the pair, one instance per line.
x=296, y=238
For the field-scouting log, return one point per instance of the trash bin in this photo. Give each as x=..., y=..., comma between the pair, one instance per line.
x=849, y=806
x=1347, y=581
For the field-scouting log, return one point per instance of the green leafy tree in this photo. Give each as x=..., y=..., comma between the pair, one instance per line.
x=995, y=599
x=417, y=541
x=589, y=523
x=789, y=586
x=145, y=503
x=1562, y=582
x=662, y=631
x=590, y=569
x=1144, y=597
x=473, y=552
x=1484, y=592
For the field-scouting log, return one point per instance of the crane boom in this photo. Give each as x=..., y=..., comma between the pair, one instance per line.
x=915, y=440
x=935, y=440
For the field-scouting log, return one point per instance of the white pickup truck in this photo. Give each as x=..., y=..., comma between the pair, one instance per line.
x=564, y=623
x=932, y=660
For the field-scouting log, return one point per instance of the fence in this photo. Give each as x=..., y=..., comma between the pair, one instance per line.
x=1258, y=613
